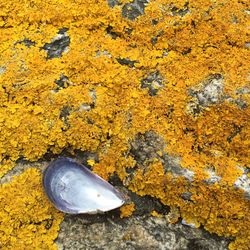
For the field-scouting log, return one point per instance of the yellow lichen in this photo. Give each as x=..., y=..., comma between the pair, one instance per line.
x=127, y=210
x=91, y=162
x=103, y=107
x=27, y=219
x=156, y=214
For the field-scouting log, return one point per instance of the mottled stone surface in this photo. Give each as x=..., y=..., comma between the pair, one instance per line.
x=134, y=9
x=20, y=167
x=108, y=231
x=153, y=82
x=207, y=93
x=149, y=146
x=58, y=45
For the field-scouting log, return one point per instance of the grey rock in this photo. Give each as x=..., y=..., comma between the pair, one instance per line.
x=242, y=104
x=2, y=69
x=64, y=114
x=134, y=9
x=154, y=39
x=153, y=82
x=103, y=53
x=172, y=164
x=113, y=3
x=20, y=167
x=211, y=92
x=180, y=12
x=108, y=231
x=186, y=196
x=213, y=178
x=146, y=147
x=62, y=82
x=127, y=62
x=27, y=42
x=58, y=45
x=243, y=90
x=243, y=182
x=208, y=92
x=240, y=101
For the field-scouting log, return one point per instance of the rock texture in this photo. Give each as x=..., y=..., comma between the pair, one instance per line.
x=151, y=95
x=137, y=232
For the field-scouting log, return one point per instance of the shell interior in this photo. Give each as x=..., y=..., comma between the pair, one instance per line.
x=74, y=189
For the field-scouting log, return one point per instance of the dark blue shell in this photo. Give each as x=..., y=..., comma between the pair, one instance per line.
x=74, y=189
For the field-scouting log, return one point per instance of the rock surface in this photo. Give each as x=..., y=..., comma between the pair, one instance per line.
x=108, y=231
x=78, y=78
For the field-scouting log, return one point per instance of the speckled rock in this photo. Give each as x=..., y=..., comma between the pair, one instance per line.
x=108, y=231
x=58, y=45
x=134, y=9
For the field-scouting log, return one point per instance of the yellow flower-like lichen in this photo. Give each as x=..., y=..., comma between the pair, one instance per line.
x=101, y=105
x=127, y=210
x=27, y=219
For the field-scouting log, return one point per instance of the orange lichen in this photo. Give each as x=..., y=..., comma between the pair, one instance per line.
x=103, y=107
x=156, y=214
x=27, y=219
x=127, y=210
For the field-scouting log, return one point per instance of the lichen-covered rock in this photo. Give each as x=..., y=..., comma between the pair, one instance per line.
x=207, y=93
x=134, y=9
x=153, y=82
x=58, y=45
x=71, y=80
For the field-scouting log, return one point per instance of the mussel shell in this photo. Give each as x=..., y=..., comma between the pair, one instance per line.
x=74, y=189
